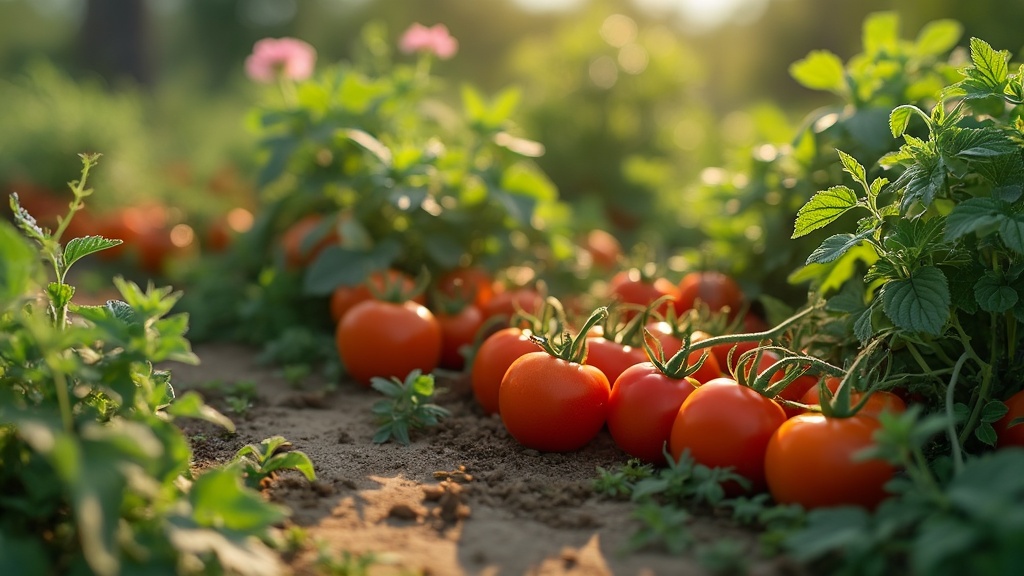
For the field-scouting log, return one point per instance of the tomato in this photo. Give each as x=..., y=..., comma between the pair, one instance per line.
x=222, y=230
x=715, y=289
x=604, y=249
x=385, y=339
x=506, y=303
x=492, y=360
x=612, y=357
x=724, y=424
x=811, y=461
x=880, y=400
x=721, y=353
x=299, y=250
x=470, y=284
x=641, y=409
x=458, y=330
x=632, y=287
x=1006, y=434
x=345, y=297
x=670, y=344
x=551, y=404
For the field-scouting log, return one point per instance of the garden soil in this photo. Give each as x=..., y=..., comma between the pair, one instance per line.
x=463, y=498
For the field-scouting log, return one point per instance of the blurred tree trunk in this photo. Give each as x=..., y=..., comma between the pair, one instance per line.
x=114, y=40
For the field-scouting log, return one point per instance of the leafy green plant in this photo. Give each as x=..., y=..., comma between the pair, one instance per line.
x=95, y=473
x=273, y=454
x=406, y=408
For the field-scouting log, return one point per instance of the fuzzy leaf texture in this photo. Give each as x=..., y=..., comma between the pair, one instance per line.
x=823, y=208
x=994, y=294
x=78, y=248
x=919, y=303
x=835, y=246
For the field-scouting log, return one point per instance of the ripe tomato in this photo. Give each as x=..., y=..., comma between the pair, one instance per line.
x=670, y=344
x=345, y=297
x=298, y=251
x=551, y=404
x=379, y=338
x=604, y=249
x=470, y=284
x=641, y=409
x=810, y=461
x=612, y=357
x=724, y=424
x=507, y=302
x=1011, y=435
x=458, y=330
x=631, y=287
x=492, y=360
x=880, y=400
x=714, y=289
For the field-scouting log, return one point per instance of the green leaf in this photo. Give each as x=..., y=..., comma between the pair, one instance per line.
x=994, y=294
x=191, y=405
x=852, y=167
x=23, y=554
x=823, y=208
x=820, y=70
x=423, y=385
x=60, y=294
x=835, y=246
x=336, y=266
x=986, y=433
x=938, y=37
x=972, y=215
x=19, y=265
x=292, y=460
x=219, y=500
x=78, y=248
x=862, y=328
x=367, y=142
x=881, y=33
x=899, y=119
x=919, y=303
x=989, y=65
x=828, y=530
x=1011, y=230
x=391, y=388
x=993, y=411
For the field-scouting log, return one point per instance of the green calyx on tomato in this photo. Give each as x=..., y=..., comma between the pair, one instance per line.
x=563, y=345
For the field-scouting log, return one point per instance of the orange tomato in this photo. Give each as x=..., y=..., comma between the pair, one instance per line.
x=298, y=250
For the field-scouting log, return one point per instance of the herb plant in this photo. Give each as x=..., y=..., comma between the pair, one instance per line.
x=407, y=406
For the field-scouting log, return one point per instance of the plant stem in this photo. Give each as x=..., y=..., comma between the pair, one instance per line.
x=986, y=383
x=958, y=456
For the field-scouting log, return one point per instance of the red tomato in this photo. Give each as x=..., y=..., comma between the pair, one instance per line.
x=492, y=360
x=553, y=405
x=345, y=297
x=641, y=409
x=385, y=339
x=611, y=357
x=810, y=460
x=631, y=287
x=724, y=424
x=468, y=284
x=298, y=253
x=506, y=303
x=714, y=289
x=605, y=249
x=1011, y=435
x=458, y=330
x=880, y=400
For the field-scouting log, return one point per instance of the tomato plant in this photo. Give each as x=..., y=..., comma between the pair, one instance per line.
x=812, y=460
x=384, y=283
x=1010, y=428
x=492, y=359
x=550, y=400
x=671, y=343
x=723, y=424
x=377, y=338
x=876, y=402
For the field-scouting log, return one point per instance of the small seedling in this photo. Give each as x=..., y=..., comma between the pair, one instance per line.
x=407, y=406
x=272, y=454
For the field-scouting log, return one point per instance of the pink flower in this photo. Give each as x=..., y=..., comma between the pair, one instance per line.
x=436, y=40
x=289, y=57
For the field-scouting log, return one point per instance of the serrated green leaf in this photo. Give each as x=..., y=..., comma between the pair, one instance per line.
x=820, y=70
x=1011, y=230
x=78, y=248
x=823, y=208
x=972, y=215
x=938, y=37
x=919, y=303
x=899, y=119
x=60, y=294
x=835, y=246
x=989, y=64
x=862, y=328
x=852, y=167
x=993, y=294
